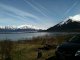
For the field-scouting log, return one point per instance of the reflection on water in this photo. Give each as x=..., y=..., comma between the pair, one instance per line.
x=18, y=36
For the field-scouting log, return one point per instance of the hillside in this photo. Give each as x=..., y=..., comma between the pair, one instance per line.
x=66, y=26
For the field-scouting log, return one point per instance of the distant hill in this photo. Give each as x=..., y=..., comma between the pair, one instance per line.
x=17, y=29
x=66, y=26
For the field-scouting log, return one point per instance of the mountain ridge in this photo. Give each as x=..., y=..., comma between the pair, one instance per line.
x=66, y=26
x=18, y=29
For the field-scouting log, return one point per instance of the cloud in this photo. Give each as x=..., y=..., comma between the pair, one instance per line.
x=20, y=17
x=14, y=12
x=75, y=18
x=36, y=8
x=70, y=8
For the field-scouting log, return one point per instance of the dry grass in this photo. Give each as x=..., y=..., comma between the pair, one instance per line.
x=27, y=49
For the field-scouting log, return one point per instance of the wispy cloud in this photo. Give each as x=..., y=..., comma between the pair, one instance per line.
x=14, y=16
x=35, y=7
x=17, y=13
x=42, y=8
x=70, y=8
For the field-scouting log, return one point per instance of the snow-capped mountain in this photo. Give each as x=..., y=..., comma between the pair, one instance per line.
x=68, y=20
x=69, y=25
x=21, y=28
x=8, y=27
x=27, y=27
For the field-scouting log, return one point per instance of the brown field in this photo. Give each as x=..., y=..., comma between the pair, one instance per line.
x=28, y=49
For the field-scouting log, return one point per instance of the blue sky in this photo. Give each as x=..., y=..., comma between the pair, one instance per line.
x=40, y=13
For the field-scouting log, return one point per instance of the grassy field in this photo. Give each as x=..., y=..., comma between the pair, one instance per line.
x=28, y=49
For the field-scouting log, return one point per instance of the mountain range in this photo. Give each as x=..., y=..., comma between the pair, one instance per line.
x=68, y=25
x=18, y=29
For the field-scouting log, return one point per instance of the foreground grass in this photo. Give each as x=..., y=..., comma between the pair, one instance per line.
x=28, y=49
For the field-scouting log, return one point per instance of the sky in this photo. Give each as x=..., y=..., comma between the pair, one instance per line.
x=39, y=13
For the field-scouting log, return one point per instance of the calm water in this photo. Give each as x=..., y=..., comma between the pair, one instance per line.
x=19, y=36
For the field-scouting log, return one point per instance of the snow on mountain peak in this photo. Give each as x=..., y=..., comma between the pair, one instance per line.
x=27, y=26
x=72, y=18
x=8, y=27
x=63, y=21
x=75, y=17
